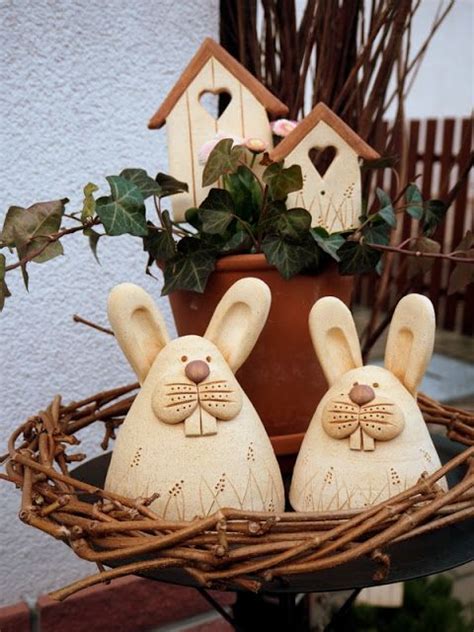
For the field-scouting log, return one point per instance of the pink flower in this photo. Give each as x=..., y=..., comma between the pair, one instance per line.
x=208, y=146
x=282, y=127
x=256, y=145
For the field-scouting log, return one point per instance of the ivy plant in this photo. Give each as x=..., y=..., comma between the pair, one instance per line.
x=242, y=213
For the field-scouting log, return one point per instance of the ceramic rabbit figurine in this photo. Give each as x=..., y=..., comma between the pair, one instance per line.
x=367, y=440
x=191, y=435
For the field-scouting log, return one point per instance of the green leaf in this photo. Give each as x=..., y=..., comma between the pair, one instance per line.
x=239, y=242
x=293, y=222
x=124, y=211
x=4, y=291
x=246, y=192
x=386, y=211
x=223, y=159
x=357, y=258
x=144, y=183
x=462, y=275
x=94, y=237
x=88, y=205
x=421, y=265
x=190, y=268
x=215, y=222
x=160, y=245
x=169, y=185
x=282, y=181
x=414, y=201
x=28, y=230
x=192, y=217
x=435, y=210
x=218, y=200
x=216, y=211
x=330, y=243
x=290, y=258
x=377, y=233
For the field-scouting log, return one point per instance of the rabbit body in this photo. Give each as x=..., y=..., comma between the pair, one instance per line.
x=329, y=476
x=367, y=440
x=192, y=437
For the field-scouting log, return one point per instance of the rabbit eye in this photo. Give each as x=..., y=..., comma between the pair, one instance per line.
x=208, y=358
x=184, y=358
x=375, y=384
x=356, y=384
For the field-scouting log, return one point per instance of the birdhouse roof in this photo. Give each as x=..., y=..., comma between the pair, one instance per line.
x=322, y=113
x=209, y=48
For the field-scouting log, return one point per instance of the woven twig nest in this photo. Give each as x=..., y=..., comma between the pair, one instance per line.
x=230, y=547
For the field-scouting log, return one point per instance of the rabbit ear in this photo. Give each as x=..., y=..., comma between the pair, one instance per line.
x=138, y=326
x=238, y=320
x=410, y=340
x=334, y=337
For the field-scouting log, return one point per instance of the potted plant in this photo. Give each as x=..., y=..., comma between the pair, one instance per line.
x=246, y=209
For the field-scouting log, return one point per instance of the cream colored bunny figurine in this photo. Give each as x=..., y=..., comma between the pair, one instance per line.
x=191, y=435
x=367, y=440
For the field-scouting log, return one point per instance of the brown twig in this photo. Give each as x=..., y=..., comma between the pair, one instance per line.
x=79, y=319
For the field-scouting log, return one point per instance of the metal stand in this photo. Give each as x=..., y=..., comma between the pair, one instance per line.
x=286, y=612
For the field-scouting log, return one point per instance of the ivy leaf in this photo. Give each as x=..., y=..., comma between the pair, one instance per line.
x=216, y=211
x=190, y=268
x=4, y=291
x=463, y=273
x=215, y=222
x=169, y=185
x=223, y=159
x=88, y=205
x=414, y=201
x=28, y=230
x=94, y=237
x=293, y=222
x=239, y=242
x=330, y=243
x=160, y=246
x=422, y=265
x=282, y=181
x=289, y=258
x=357, y=258
x=386, y=211
x=435, y=210
x=124, y=211
x=377, y=233
x=192, y=217
x=218, y=200
x=144, y=183
x=246, y=193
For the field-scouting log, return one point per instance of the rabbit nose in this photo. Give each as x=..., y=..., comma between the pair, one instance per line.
x=197, y=371
x=361, y=394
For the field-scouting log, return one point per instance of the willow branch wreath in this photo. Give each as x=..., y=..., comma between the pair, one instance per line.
x=230, y=547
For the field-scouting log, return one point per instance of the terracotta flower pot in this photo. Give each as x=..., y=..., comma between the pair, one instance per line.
x=282, y=376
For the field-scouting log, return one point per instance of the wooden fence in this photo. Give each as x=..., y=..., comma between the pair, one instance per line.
x=437, y=151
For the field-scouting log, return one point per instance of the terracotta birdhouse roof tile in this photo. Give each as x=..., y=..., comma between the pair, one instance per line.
x=322, y=113
x=211, y=49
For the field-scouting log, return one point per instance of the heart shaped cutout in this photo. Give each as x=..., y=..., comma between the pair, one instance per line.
x=322, y=158
x=215, y=102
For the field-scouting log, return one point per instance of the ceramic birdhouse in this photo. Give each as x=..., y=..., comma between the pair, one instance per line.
x=192, y=437
x=189, y=125
x=368, y=440
x=332, y=189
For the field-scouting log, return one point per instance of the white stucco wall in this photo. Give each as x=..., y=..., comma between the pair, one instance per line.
x=79, y=81
x=444, y=86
